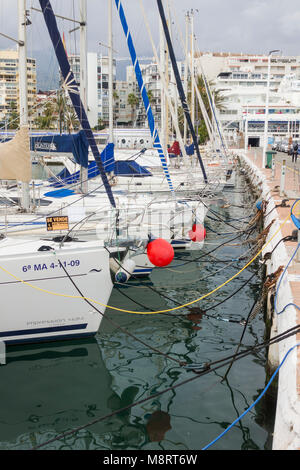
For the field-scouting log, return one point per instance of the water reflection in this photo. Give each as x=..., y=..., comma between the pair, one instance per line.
x=50, y=389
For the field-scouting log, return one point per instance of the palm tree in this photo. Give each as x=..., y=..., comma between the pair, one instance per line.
x=71, y=119
x=100, y=125
x=60, y=104
x=133, y=101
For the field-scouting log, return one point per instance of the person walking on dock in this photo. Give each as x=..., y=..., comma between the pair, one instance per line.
x=295, y=153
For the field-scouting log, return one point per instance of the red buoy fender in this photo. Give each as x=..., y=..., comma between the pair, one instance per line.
x=198, y=233
x=160, y=252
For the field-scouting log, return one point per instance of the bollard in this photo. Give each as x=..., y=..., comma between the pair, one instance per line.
x=282, y=179
x=2, y=353
x=273, y=167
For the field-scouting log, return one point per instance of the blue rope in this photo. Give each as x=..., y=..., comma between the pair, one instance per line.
x=254, y=403
x=279, y=283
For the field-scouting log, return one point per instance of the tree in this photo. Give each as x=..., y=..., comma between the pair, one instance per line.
x=133, y=101
x=47, y=119
x=218, y=100
x=100, y=125
x=71, y=119
x=60, y=105
x=13, y=116
x=150, y=96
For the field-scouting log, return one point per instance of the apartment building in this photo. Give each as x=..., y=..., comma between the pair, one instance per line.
x=97, y=87
x=243, y=81
x=124, y=112
x=9, y=84
x=151, y=78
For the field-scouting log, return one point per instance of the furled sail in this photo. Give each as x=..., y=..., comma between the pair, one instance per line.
x=15, y=162
x=180, y=86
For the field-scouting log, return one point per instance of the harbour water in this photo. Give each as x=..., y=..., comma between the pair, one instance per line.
x=49, y=389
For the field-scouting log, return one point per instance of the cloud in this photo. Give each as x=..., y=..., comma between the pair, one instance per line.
x=290, y=23
x=220, y=25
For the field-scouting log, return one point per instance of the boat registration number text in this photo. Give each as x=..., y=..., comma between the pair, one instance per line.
x=43, y=266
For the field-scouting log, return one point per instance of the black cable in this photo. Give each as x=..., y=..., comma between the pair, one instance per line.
x=209, y=252
x=114, y=323
x=206, y=369
x=231, y=295
x=240, y=341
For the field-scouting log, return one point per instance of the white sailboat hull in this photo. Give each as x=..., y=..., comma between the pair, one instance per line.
x=47, y=306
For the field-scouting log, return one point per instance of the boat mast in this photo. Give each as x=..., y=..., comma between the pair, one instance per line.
x=83, y=80
x=145, y=98
x=22, y=52
x=110, y=73
x=163, y=117
x=180, y=87
x=186, y=66
x=164, y=85
x=192, y=71
x=71, y=86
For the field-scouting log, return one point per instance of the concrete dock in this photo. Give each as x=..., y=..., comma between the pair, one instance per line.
x=282, y=182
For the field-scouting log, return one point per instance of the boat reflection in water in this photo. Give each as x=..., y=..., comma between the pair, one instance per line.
x=50, y=389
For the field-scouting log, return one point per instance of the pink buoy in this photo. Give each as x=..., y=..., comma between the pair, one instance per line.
x=160, y=252
x=198, y=233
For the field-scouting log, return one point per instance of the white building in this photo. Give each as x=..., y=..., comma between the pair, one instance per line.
x=123, y=111
x=151, y=78
x=242, y=80
x=97, y=86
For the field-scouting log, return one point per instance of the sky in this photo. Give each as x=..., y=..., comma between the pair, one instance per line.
x=256, y=26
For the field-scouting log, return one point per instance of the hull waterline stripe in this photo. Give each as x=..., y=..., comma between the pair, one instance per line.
x=51, y=329
x=43, y=339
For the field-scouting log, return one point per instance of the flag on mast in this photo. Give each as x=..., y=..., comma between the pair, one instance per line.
x=64, y=43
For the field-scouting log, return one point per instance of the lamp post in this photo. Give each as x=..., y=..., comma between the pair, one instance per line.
x=246, y=127
x=267, y=109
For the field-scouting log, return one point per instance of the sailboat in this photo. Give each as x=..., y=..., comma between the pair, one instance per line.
x=136, y=215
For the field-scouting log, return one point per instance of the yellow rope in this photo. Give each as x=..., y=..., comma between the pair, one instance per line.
x=157, y=311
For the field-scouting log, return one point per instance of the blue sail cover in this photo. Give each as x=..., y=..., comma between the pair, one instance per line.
x=130, y=168
x=120, y=168
x=72, y=88
x=108, y=161
x=107, y=157
x=76, y=144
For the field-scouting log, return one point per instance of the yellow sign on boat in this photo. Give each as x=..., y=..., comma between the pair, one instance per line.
x=60, y=222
